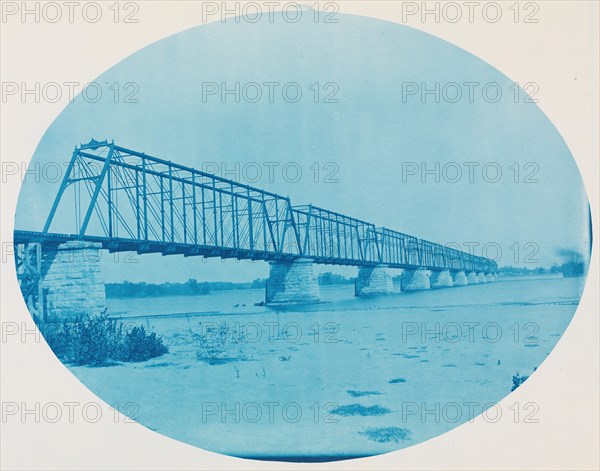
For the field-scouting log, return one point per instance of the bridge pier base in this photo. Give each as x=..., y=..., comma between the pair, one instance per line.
x=441, y=279
x=414, y=280
x=459, y=278
x=71, y=280
x=481, y=277
x=373, y=281
x=472, y=278
x=292, y=283
x=489, y=278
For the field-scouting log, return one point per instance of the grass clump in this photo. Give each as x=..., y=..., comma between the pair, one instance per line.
x=357, y=409
x=387, y=434
x=99, y=340
x=362, y=393
x=397, y=380
x=217, y=343
x=518, y=380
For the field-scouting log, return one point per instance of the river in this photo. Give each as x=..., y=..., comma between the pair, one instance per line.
x=344, y=378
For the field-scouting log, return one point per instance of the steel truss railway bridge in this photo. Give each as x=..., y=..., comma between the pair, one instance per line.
x=125, y=200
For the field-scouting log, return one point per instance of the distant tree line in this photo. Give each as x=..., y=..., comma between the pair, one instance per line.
x=190, y=288
x=193, y=287
x=329, y=278
x=573, y=268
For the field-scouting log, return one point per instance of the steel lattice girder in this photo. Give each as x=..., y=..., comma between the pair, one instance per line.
x=153, y=205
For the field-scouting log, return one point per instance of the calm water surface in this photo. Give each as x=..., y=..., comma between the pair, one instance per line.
x=341, y=298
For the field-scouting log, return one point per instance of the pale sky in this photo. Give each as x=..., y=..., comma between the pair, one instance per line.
x=372, y=134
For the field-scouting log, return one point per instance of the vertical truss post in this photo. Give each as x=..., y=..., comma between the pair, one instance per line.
x=137, y=202
x=250, y=217
x=109, y=202
x=145, y=198
x=214, y=192
x=171, y=202
x=233, y=218
x=184, y=215
x=203, y=215
x=162, y=209
x=194, y=206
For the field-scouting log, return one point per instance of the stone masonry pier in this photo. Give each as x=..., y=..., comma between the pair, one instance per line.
x=372, y=281
x=472, y=278
x=459, y=278
x=72, y=282
x=415, y=280
x=292, y=283
x=441, y=279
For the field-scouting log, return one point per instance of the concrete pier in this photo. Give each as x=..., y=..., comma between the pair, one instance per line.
x=459, y=278
x=481, y=277
x=72, y=282
x=292, y=283
x=414, y=280
x=373, y=281
x=472, y=278
x=489, y=278
x=441, y=279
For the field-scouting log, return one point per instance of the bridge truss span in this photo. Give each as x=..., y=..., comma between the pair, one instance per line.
x=131, y=201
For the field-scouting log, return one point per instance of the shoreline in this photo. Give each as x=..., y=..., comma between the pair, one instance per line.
x=548, y=276
x=340, y=298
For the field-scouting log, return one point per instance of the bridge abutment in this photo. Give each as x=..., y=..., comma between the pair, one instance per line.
x=472, y=278
x=481, y=277
x=414, y=280
x=373, y=281
x=441, y=279
x=292, y=283
x=459, y=278
x=72, y=281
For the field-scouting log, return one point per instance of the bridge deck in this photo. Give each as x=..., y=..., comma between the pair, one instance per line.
x=190, y=250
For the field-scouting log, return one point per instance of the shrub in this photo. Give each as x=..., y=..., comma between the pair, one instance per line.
x=218, y=344
x=141, y=346
x=357, y=409
x=518, y=380
x=387, y=434
x=97, y=340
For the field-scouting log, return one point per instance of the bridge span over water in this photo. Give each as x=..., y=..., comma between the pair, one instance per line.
x=121, y=200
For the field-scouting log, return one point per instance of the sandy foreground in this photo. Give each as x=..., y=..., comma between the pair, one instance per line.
x=327, y=384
